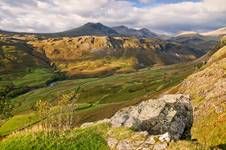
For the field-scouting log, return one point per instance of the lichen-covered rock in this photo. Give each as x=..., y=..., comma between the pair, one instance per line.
x=171, y=114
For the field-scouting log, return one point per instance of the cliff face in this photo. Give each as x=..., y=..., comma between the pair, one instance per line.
x=92, y=55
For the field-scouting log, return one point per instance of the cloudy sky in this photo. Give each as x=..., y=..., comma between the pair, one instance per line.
x=165, y=16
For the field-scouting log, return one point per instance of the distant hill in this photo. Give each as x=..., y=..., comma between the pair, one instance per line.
x=187, y=33
x=195, y=41
x=218, y=32
x=94, y=29
x=142, y=33
x=97, y=29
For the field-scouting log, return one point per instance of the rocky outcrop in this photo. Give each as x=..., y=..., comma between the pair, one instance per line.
x=170, y=114
x=151, y=125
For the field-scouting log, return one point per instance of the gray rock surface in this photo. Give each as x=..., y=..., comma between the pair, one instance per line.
x=170, y=115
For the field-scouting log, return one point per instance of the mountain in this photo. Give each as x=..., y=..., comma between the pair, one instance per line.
x=195, y=40
x=142, y=33
x=98, y=55
x=216, y=33
x=97, y=29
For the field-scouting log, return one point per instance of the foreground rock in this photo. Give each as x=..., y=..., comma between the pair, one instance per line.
x=171, y=113
x=150, y=125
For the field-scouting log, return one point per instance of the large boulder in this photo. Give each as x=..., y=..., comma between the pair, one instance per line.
x=171, y=114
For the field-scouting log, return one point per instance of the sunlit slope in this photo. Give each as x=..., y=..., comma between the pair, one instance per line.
x=89, y=56
x=208, y=91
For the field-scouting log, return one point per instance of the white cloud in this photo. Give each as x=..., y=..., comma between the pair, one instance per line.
x=59, y=15
x=146, y=1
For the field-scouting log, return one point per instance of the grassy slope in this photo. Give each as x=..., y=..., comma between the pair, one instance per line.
x=207, y=89
x=117, y=88
x=102, y=97
x=78, y=139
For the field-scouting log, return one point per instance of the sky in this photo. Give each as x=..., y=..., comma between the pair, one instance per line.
x=161, y=16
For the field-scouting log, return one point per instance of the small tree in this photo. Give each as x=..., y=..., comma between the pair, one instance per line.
x=61, y=117
x=43, y=111
x=65, y=118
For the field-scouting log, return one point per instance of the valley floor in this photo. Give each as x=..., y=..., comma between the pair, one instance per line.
x=98, y=97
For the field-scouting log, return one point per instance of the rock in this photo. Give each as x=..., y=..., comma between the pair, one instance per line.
x=112, y=142
x=171, y=114
x=160, y=146
x=219, y=109
x=125, y=145
x=150, y=141
x=165, y=137
x=135, y=142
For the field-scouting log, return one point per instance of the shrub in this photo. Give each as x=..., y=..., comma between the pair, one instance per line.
x=60, y=117
x=17, y=92
x=5, y=108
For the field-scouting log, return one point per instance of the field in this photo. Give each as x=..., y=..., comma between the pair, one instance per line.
x=102, y=97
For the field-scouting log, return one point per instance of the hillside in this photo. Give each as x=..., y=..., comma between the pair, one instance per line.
x=128, y=71
x=195, y=40
x=89, y=56
x=19, y=65
x=207, y=89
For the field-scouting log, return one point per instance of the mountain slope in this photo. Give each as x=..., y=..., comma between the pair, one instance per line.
x=92, y=55
x=195, y=40
x=142, y=33
x=17, y=54
x=22, y=68
x=88, y=29
x=208, y=90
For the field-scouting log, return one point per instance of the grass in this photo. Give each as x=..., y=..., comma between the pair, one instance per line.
x=186, y=145
x=30, y=77
x=210, y=128
x=17, y=122
x=98, y=67
x=34, y=78
x=112, y=89
x=78, y=139
x=102, y=97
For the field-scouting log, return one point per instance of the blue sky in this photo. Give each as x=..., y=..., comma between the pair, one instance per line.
x=148, y=3
x=164, y=16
